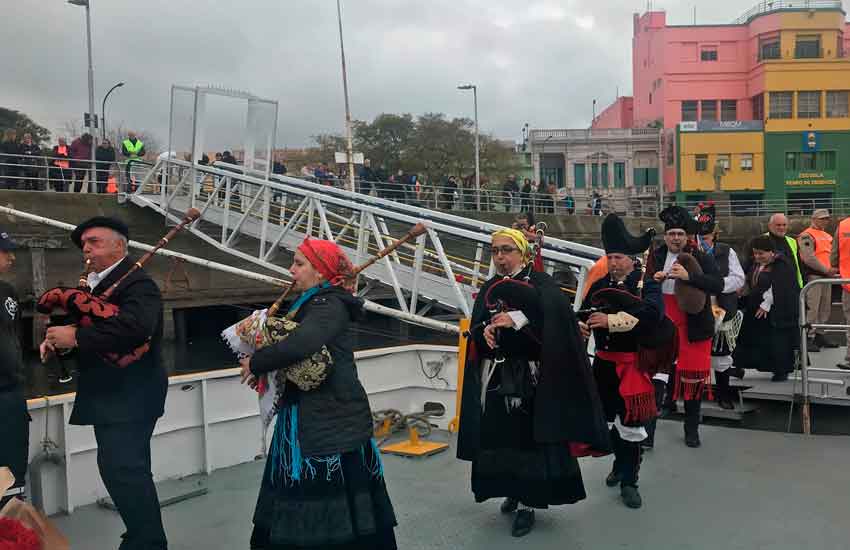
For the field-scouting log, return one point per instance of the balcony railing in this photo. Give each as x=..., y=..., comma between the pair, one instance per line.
x=779, y=5
x=541, y=135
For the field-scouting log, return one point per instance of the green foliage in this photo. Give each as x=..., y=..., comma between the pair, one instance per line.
x=430, y=145
x=15, y=120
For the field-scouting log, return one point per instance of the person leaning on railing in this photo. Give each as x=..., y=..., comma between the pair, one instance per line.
x=31, y=160
x=105, y=156
x=59, y=174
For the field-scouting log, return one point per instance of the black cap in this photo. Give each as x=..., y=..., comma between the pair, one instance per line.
x=99, y=221
x=676, y=217
x=6, y=242
x=706, y=218
x=617, y=239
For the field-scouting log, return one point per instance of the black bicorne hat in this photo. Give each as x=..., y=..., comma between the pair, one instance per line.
x=706, y=218
x=676, y=217
x=617, y=239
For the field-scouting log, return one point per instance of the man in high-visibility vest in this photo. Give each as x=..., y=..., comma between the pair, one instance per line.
x=840, y=259
x=134, y=149
x=815, y=247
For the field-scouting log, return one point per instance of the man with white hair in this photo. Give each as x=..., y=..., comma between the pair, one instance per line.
x=777, y=230
x=121, y=403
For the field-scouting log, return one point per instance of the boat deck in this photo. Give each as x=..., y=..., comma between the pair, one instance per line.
x=743, y=489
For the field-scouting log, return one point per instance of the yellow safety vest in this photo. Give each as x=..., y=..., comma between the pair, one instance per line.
x=133, y=149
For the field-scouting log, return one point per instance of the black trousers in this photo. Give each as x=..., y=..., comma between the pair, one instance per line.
x=627, y=459
x=14, y=436
x=124, y=461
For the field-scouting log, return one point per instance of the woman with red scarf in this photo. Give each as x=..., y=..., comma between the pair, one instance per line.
x=323, y=485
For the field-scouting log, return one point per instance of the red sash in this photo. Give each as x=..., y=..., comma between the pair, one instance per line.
x=693, y=367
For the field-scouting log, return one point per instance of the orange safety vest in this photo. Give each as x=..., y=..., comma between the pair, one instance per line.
x=62, y=150
x=823, y=244
x=844, y=251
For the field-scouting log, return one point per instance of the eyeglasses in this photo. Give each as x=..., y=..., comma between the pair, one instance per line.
x=496, y=250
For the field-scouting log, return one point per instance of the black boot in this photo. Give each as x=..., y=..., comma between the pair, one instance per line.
x=660, y=390
x=613, y=479
x=630, y=496
x=724, y=392
x=523, y=522
x=692, y=412
x=509, y=505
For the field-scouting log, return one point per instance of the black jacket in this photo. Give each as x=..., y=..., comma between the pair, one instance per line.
x=335, y=417
x=701, y=325
x=104, y=154
x=782, y=278
x=107, y=394
x=11, y=358
x=566, y=402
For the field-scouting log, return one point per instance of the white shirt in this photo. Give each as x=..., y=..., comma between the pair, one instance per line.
x=95, y=279
x=668, y=286
x=735, y=280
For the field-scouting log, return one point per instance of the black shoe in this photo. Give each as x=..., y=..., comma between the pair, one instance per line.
x=613, y=479
x=630, y=496
x=692, y=440
x=726, y=404
x=509, y=505
x=844, y=366
x=523, y=522
x=779, y=377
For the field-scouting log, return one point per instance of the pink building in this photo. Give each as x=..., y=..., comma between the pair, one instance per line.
x=619, y=114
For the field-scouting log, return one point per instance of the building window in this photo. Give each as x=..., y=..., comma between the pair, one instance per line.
x=758, y=107
x=807, y=47
x=708, y=54
x=836, y=104
x=728, y=109
x=808, y=161
x=604, y=170
x=808, y=104
x=826, y=160
x=790, y=162
x=724, y=161
x=689, y=111
x=709, y=109
x=578, y=171
x=619, y=174
x=781, y=104
x=747, y=162
x=594, y=175
x=769, y=49
x=701, y=163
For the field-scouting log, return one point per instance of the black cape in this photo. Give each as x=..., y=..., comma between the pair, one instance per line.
x=567, y=407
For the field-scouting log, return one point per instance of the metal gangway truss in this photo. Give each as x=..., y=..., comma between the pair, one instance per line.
x=260, y=219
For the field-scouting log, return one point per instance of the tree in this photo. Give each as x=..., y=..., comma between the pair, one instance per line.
x=15, y=120
x=386, y=140
x=441, y=147
x=327, y=146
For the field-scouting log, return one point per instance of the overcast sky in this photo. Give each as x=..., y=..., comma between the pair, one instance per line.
x=535, y=61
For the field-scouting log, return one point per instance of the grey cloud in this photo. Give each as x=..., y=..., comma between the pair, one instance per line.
x=541, y=62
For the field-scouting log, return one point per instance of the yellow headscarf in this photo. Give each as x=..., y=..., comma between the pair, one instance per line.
x=519, y=239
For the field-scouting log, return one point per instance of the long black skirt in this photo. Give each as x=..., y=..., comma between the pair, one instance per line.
x=339, y=503
x=764, y=347
x=511, y=464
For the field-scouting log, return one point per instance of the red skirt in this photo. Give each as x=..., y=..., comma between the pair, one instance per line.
x=693, y=366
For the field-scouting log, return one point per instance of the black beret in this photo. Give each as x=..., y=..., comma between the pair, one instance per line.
x=99, y=221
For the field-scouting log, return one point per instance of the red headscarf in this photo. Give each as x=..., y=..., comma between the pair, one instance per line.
x=329, y=260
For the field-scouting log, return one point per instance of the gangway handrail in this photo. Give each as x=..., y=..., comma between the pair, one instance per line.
x=804, y=326
x=560, y=245
x=441, y=326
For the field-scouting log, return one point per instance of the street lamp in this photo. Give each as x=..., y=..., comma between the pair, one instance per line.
x=474, y=89
x=92, y=114
x=347, y=109
x=103, y=108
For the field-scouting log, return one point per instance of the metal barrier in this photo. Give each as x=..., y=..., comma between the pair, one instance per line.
x=805, y=326
x=41, y=173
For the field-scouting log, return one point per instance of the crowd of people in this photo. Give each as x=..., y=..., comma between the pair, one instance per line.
x=24, y=165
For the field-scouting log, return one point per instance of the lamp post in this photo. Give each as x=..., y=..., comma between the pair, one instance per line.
x=92, y=114
x=103, y=109
x=349, y=145
x=474, y=89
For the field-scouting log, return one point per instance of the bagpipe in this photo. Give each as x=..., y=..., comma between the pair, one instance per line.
x=85, y=309
x=266, y=327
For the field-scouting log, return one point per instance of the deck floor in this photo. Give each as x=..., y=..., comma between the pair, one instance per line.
x=742, y=490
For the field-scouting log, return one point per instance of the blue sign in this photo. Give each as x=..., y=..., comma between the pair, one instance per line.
x=811, y=142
